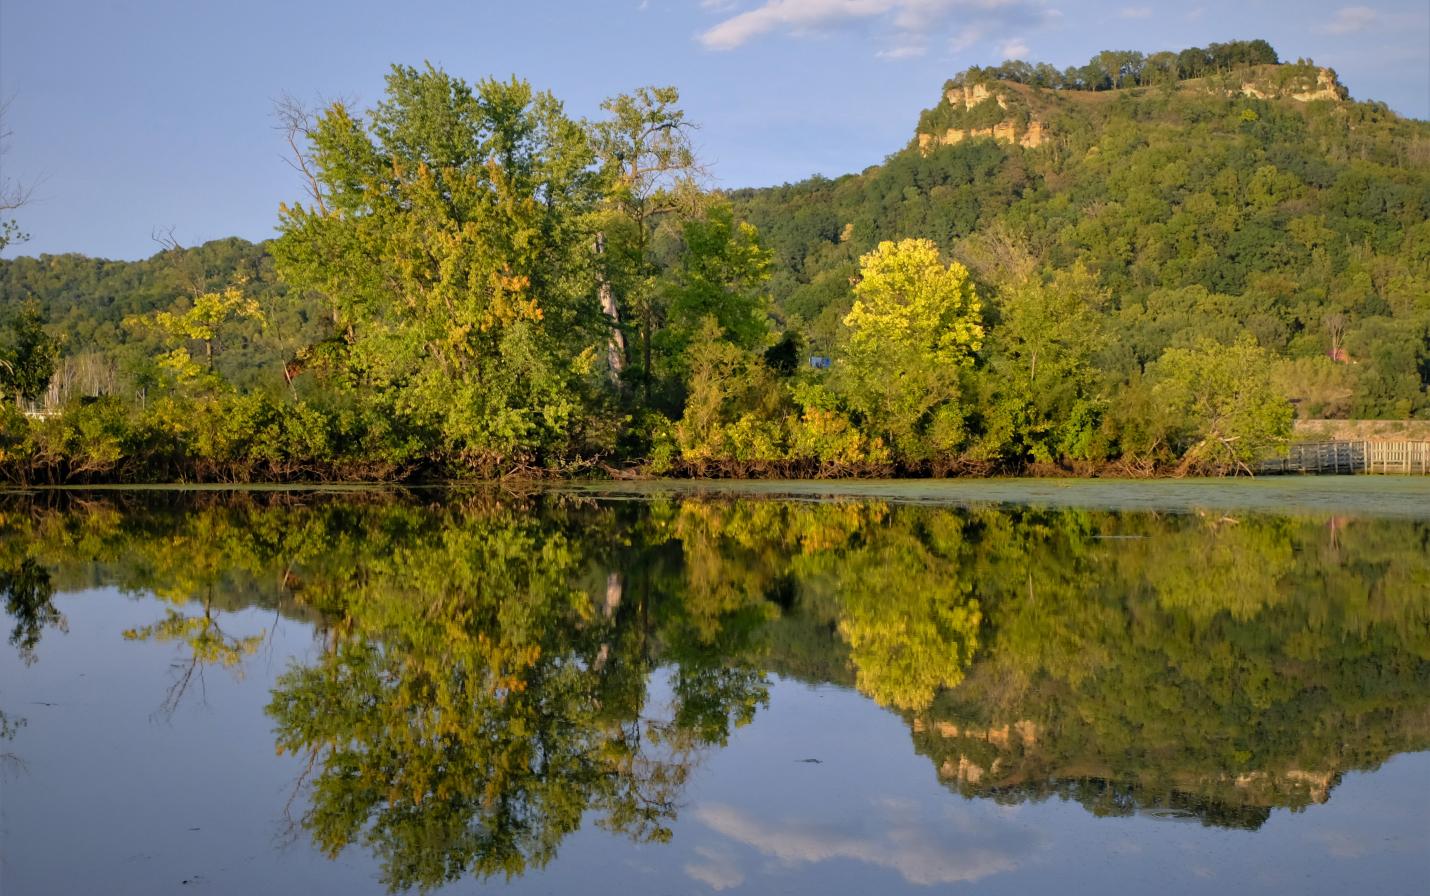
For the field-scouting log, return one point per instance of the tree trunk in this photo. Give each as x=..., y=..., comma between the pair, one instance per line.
x=616, y=346
x=645, y=354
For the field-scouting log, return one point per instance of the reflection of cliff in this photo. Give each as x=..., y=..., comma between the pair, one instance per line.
x=1016, y=769
x=1117, y=746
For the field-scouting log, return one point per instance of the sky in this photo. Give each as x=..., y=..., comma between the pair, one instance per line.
x=128, y=118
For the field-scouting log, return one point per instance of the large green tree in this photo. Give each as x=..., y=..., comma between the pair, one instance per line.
x=450, y=237
x=1221, y=411
x=649, y=168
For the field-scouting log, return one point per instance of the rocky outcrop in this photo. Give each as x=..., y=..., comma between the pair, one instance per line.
x=1302, y=88
x=965, y=98
x=1033, y=136
x=1004, y=132
x=971, y=95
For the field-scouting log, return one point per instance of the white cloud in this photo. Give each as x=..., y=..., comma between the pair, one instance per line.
x=903, y=51
x=906, y=18
x=923, y=850
x=1014, y=48
x=798, y=16
x=1135, y=12
x=1350, y=19
x=966, y=37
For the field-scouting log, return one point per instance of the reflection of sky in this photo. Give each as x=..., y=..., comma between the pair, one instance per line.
x=150, y=802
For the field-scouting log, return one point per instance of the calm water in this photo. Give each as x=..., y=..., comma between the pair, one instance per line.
x=1000, y=687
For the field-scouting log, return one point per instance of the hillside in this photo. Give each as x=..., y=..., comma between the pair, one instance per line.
x=87, y=300
x=1260, y=199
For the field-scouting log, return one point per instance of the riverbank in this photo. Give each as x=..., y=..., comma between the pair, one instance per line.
x=1375, y=496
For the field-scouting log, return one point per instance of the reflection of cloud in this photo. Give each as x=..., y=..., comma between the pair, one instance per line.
x=717, y=868
x=923, y=848
x=910, y=18
x=1343, y=845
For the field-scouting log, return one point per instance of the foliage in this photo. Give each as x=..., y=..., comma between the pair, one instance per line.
x=446, y=246
x=27, y=354
x=1114, y=69
x=914, y=326
x=1221, y=411
x=204, y=322
x=480, y=285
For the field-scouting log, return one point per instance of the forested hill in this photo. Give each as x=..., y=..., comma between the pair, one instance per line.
x=86, y=301
x=1148, y=262
x=1256, y=198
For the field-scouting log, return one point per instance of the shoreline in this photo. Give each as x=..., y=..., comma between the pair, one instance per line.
x=1377, y=495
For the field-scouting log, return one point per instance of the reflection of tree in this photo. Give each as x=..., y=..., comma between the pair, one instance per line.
x=208, y=645
x=480, y=697
x=29, y=601
x=908, y=614
x=487, y=663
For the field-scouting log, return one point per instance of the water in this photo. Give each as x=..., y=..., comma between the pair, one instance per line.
x=1004, y=687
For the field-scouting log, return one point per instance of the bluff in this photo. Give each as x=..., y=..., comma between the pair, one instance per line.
x=1211, y=193
x=1011, y=112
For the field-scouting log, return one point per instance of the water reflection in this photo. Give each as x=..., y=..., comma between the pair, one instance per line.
x=495, y=669
x=923, y=848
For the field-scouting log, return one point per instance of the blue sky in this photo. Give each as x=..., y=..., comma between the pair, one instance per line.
x=127, y=116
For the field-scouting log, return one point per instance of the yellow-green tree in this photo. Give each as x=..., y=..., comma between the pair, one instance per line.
x=205, y=322
x=914, y=327
x=1221, y=410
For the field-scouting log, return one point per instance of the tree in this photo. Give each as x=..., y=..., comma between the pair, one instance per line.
x=1222, y=411
x=913, y=329
x=650, y=169
x=1043, y=378
x=455, y=254
x=27, y=354
x=720, y=275
x=733, y=409
x=204, y=322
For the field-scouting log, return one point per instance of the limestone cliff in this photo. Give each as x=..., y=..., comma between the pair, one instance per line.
x=970, y=111
x=1302, y=83
x=1014, y=113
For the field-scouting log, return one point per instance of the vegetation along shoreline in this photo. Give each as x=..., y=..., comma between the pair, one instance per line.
x=1151, y=265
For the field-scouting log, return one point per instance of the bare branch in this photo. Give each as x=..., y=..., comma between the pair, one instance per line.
x=296, y=122
x=165, y=238
x=13, y=195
